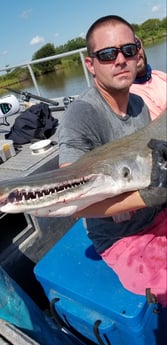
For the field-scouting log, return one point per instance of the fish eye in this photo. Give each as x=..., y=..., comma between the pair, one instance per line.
x=126, y=173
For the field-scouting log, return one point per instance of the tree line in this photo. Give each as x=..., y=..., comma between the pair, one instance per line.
x=149, y=31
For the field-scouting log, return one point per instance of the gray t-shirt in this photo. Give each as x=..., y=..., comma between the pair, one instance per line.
x=90, y=122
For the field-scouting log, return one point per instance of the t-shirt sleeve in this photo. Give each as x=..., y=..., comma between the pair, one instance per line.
x=77, y=132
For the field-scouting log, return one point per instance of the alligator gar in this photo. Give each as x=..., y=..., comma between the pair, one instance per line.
x=109, y=170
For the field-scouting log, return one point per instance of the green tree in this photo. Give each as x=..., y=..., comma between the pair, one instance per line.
x=74, y=44
x=151, y=29
x=47, y=66
x=164, y=26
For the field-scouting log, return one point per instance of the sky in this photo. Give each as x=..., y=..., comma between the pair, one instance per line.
x=27, y=25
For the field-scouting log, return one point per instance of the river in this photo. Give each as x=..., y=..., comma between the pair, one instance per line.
x=71, y=81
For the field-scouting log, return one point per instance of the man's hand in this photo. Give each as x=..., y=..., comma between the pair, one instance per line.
x=156, y=193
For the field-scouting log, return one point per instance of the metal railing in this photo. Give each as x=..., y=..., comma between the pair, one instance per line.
x=49, y=58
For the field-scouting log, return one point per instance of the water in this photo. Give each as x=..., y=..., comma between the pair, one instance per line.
x=71, y=81
x=62, y=83
x=157, y=56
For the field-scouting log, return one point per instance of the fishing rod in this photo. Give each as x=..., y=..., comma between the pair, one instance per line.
x=28, y=95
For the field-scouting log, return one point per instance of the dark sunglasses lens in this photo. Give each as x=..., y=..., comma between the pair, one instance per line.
x=129, y=50
x=107, y=54
x=110, y=54
x=138, y=43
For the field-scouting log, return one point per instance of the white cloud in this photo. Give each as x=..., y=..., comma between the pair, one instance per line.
x=37, y=40
x=156, y=8
x=25, y=14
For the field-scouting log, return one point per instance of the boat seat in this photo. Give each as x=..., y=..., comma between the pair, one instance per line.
x=88, y=296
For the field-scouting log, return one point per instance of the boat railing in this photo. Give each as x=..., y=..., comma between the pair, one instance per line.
x=29, y=65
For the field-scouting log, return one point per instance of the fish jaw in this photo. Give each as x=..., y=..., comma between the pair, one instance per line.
x=43, y=199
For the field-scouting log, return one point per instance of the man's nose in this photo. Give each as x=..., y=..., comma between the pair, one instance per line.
x=120, y=58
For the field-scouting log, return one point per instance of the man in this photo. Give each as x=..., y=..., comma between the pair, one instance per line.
x=150, y=84
x=104, y=113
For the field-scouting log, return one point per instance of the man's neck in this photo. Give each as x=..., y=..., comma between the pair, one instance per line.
x=118, y=101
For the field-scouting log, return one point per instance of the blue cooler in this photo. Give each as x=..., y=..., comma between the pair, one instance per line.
x=88, y=298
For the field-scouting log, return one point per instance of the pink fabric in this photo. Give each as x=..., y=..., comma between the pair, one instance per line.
x=140, y=261
x=153, y=92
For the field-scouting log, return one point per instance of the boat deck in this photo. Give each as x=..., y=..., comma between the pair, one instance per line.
x=24, y=238
x=25, y=162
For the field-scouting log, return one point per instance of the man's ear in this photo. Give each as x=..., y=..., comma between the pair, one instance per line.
x=89, y=65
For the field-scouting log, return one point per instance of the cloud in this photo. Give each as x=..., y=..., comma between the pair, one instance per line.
x=26, y=14
x=37, y=40
x=156, y=8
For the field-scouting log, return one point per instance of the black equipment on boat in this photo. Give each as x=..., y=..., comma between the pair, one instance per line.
x=28, y=95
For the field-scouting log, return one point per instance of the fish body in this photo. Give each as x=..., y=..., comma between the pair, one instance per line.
x=109, y=170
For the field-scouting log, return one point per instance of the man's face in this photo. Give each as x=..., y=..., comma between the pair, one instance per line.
x=118, y=74
x=142, y=62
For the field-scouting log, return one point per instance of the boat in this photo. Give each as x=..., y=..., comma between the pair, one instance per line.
x=54, y=288
x=25, y=239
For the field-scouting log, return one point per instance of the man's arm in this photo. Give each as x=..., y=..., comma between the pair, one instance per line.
x=112, y=206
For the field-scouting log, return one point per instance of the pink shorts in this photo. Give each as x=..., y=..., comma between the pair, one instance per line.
x=140, y=261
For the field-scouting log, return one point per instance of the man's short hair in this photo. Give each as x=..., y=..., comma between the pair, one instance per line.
x=100, y=22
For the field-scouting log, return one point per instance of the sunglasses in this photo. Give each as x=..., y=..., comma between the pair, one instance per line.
x=138, y=43
x=110, y=54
